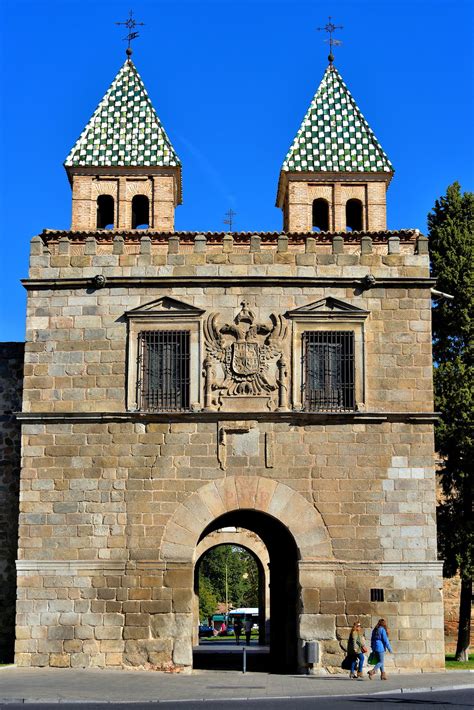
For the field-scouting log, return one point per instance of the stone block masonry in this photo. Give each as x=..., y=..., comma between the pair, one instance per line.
x=115, y=498
x=11, y=382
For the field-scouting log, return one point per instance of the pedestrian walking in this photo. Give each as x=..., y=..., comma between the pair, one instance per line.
x=356, y=647
x=248, y=630
x=237, y=630
x=379, y=644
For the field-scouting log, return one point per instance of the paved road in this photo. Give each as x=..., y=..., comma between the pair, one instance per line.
x=439, y=700
x=49, y=686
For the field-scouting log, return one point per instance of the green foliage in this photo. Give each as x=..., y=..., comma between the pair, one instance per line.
x=451, y=241
x=453, y=665
x=207, y=599
x=454, y=442
x=242, y=575
x=451, y=233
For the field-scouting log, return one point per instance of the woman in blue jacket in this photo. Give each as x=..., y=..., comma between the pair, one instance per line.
x=379, y=644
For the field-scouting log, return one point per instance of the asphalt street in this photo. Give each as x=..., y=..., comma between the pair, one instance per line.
x=95, y=688
x=438, y=700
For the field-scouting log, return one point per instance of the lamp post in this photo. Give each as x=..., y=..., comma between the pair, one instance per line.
x=226, y=596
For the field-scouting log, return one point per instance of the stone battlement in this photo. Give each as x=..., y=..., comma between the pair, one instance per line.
x=68, y=254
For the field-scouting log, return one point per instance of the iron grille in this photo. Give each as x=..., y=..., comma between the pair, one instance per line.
x=163, y=370
x=376, y=595
x=329, y=370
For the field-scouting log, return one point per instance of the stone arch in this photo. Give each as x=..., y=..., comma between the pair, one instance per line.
x=320, y=214
x=241, y=538
x=254, y=544
x=140, y=212
x=138, y=187
x=104, y=187
x=354, y=215
x=263, y=495
x=105, y=212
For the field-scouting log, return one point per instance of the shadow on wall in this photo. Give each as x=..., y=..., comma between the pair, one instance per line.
x=11, y=386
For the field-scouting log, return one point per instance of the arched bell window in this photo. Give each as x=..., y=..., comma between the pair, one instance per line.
x=354, y=221
x=140, y=212
x=320, y=215
x=105, y=212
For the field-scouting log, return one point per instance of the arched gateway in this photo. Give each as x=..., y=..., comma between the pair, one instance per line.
x=244, y=539
x=290, y=527
x=242, y=493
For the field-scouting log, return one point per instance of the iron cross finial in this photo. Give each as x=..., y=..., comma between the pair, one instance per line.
x=330, y=27
x=230, y=218
x=130, y=24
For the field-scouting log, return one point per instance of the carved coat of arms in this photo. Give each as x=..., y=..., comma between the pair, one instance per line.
x=247, y=352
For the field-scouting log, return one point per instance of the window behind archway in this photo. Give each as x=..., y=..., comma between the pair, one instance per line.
x=105, y=212
x=140, y=212
x=354, y=215
x=321, y=215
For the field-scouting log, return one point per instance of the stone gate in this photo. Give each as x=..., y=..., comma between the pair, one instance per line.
x=178, y=383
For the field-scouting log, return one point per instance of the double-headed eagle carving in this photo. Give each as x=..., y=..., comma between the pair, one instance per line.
x=246, y=350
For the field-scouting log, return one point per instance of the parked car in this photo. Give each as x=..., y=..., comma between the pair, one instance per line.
x=205, y=631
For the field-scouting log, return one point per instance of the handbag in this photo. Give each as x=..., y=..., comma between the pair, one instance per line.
x=364, y=649
x=373, y=658
x=346, y=665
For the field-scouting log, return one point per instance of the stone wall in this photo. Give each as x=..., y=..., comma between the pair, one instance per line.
x=11, y=381
x=451, y=595
x=114, y=500
x=139, y=253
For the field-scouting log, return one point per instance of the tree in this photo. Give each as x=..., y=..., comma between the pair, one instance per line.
x=451, y=233
x=239, y=568
x=207, y=599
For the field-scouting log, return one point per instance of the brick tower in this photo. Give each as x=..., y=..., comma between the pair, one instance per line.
x=335, y=175
x=123, y=170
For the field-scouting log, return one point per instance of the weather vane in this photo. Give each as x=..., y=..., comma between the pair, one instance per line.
x=131, y=23
x=330, y=27
x=230, y=218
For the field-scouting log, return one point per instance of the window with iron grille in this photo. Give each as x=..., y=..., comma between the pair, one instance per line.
x=163, y=370
x=376, y=595
x=329, y=382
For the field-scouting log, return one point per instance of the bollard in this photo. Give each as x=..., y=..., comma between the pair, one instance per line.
x=244, y=660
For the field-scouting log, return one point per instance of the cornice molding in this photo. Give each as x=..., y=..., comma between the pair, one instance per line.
x=107, y=236
x=211, y=281
x=294, y=417
x=74, y=566
x=117, y=566
x=381, y=566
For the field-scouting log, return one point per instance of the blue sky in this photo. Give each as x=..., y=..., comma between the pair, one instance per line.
x=231, y=81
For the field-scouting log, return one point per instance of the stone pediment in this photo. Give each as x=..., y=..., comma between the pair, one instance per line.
x=165, y=307
x=327, y=308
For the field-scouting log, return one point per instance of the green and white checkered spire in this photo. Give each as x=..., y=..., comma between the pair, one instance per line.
x=334, y=135
x=124, y=129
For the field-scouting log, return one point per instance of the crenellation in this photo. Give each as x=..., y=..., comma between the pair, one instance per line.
x=122, y=256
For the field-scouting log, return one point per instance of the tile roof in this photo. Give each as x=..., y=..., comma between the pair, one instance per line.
x=107, y=235
x=334, y=135
x=124, y=129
